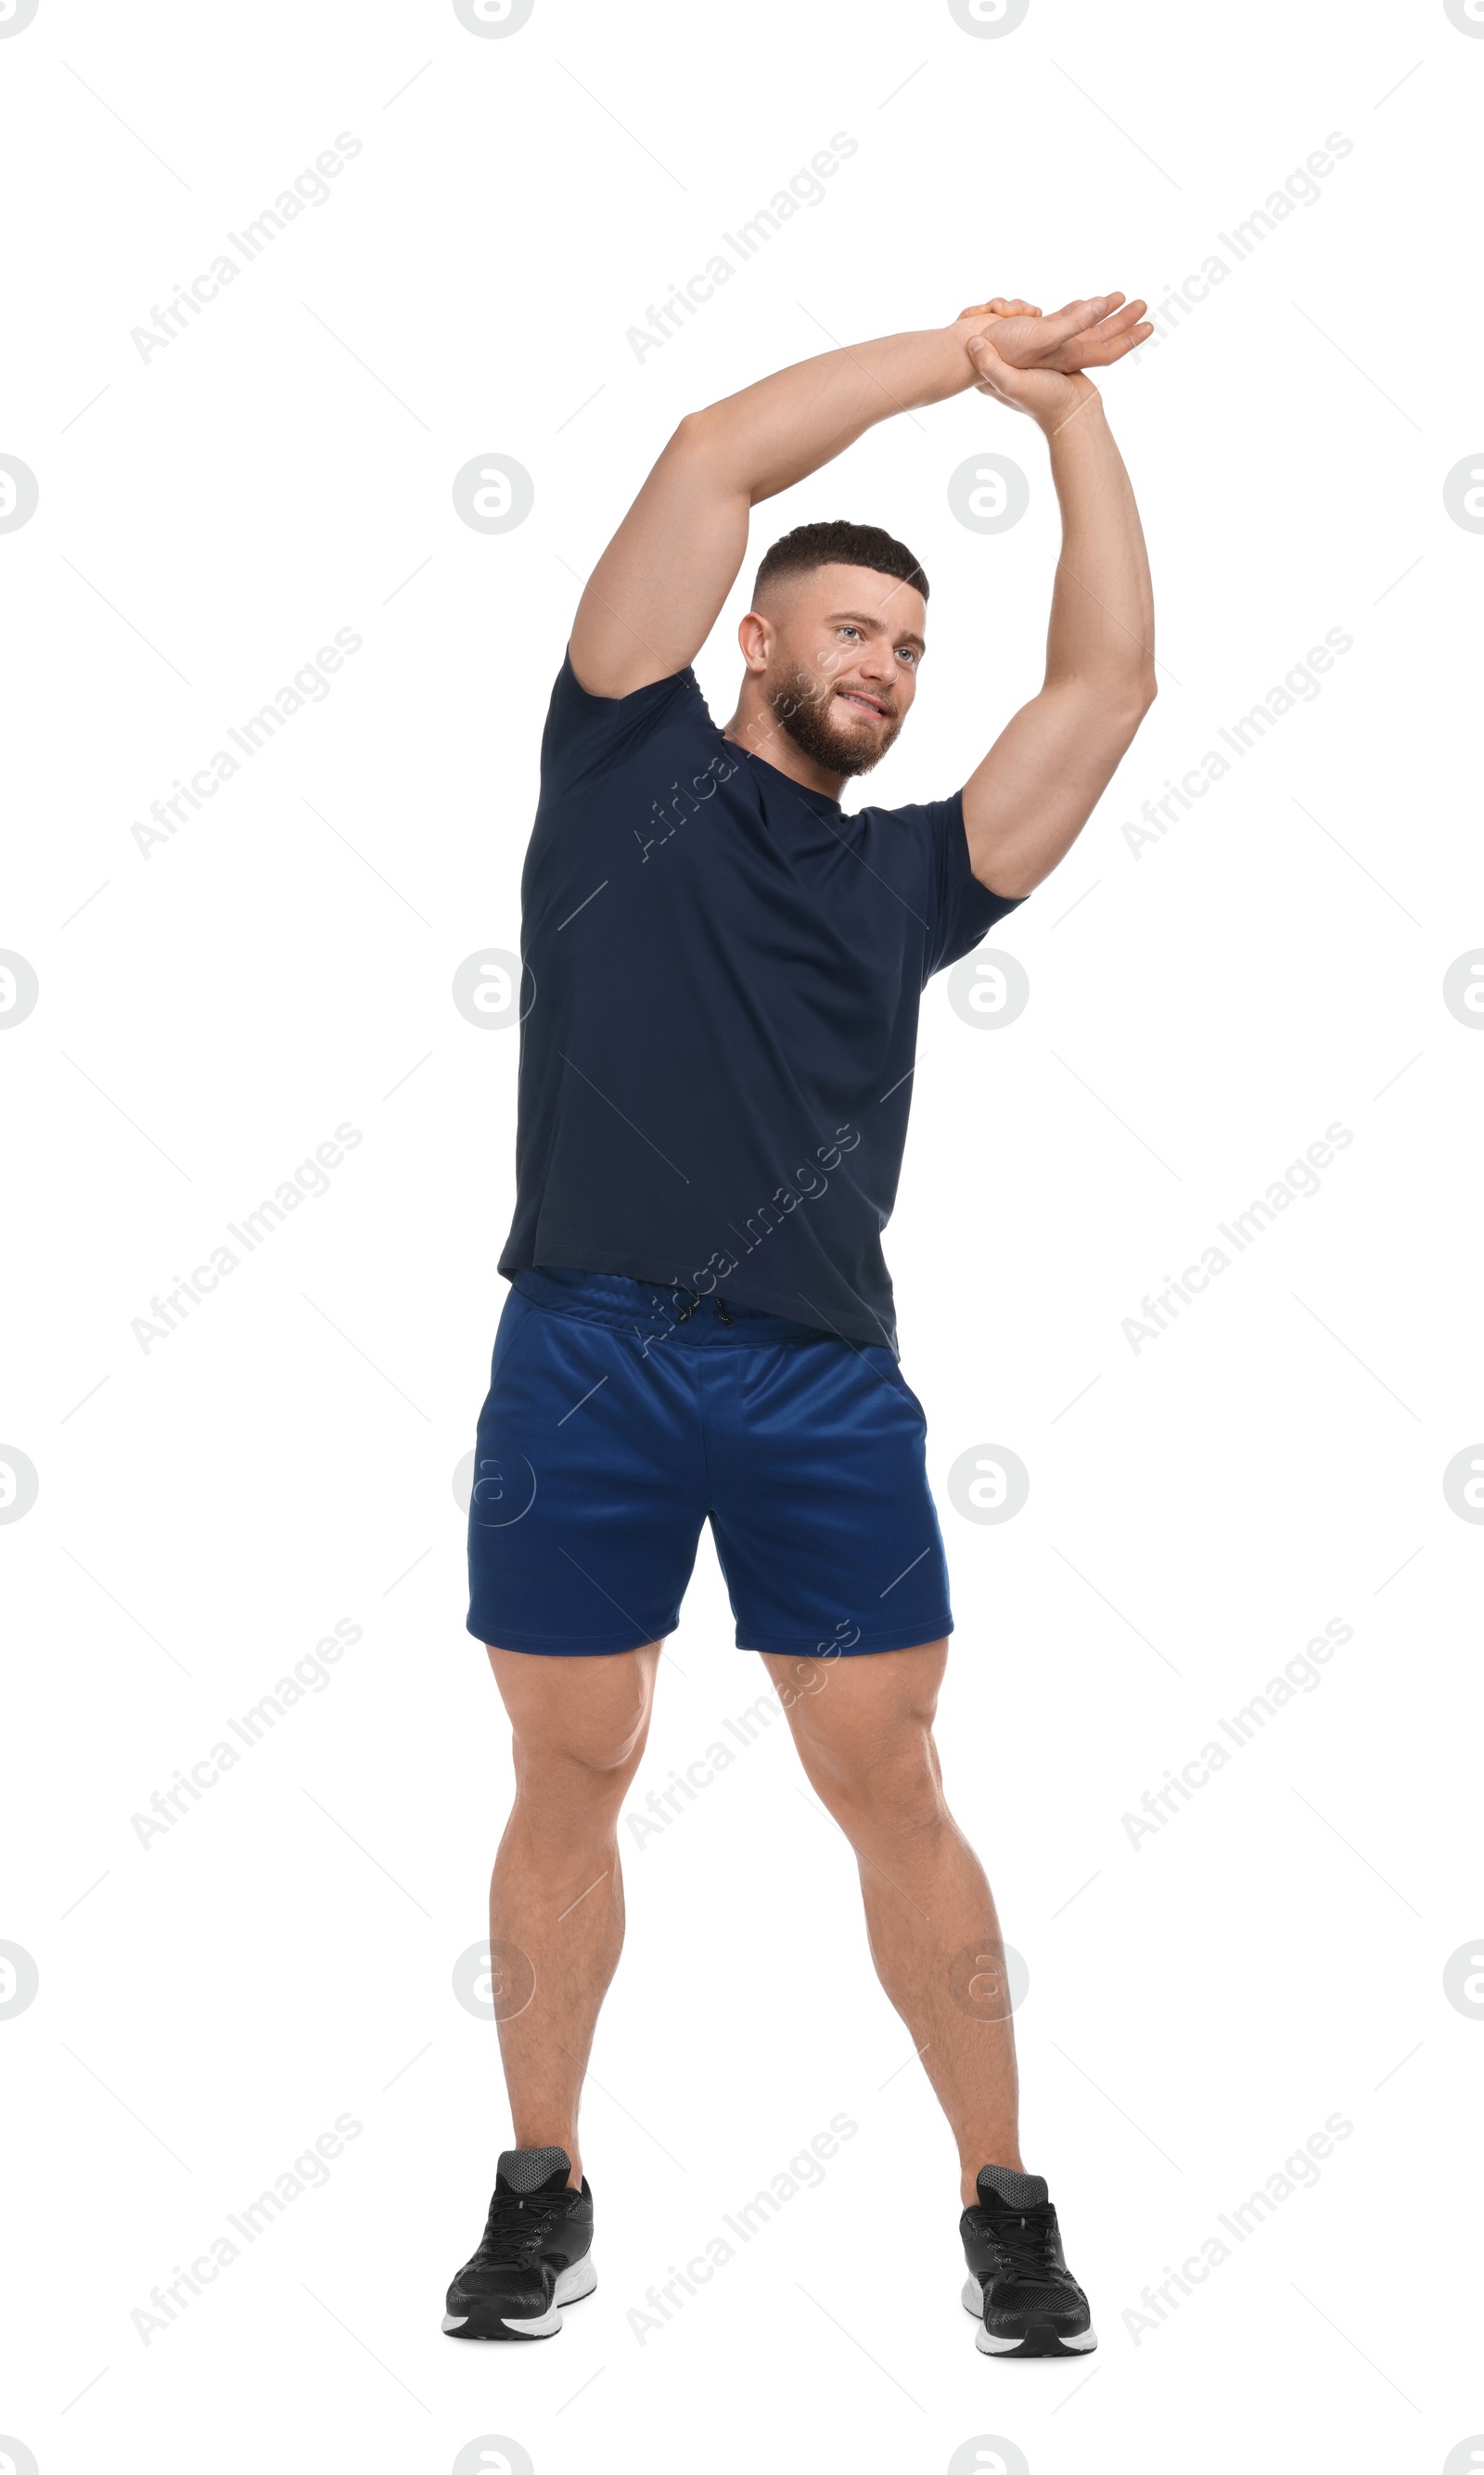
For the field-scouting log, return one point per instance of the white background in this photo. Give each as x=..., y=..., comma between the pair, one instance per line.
x=1200, y=1013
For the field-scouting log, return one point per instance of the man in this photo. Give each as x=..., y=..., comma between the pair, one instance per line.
x=721, y=980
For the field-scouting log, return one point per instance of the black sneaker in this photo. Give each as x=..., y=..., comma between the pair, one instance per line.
x=1020, y=2289
x=535, y=2256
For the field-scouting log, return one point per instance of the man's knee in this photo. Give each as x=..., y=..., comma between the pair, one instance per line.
x=593, y=1765
x=583, y=1718
x=881, y=1790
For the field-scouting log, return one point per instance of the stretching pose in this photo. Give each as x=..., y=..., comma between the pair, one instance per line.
x=722, y=973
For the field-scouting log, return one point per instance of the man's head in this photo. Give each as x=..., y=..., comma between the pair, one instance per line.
x=834, y=639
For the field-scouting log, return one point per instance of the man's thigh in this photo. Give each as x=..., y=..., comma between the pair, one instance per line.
x=824, y=1522
x=856, y=1717
x=588, y=1496
x=591, y=1713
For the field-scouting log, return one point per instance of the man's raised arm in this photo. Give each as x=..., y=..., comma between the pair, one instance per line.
x=1025, y=805
x=658, y=589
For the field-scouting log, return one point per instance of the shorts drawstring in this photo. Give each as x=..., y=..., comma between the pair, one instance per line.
x=686, y=1312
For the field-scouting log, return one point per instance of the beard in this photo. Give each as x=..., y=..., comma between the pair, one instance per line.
x=805, y=712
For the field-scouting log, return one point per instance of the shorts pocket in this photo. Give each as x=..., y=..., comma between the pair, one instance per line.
x=514, y=1316
x=893, y=1369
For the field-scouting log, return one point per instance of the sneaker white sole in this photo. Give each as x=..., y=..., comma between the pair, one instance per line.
x=571, y=2287
x=989, y=2344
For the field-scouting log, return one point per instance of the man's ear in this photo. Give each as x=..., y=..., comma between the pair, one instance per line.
x=754, y=637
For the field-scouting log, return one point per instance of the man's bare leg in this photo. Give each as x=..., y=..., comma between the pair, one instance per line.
x=863, y=1728
x=556, y=1894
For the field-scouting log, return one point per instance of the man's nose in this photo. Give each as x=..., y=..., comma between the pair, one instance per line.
x=879, y=662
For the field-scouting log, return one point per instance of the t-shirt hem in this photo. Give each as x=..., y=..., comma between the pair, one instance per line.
x=796, y=1308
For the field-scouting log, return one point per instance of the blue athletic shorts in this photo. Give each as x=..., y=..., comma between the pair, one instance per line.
x=613, y=1429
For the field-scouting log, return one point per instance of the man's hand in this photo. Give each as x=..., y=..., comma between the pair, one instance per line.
x=1037, y=365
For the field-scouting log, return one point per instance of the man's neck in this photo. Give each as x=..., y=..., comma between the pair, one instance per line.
x=756, y=729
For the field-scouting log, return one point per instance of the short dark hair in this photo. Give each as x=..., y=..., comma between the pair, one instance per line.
x=839, y=544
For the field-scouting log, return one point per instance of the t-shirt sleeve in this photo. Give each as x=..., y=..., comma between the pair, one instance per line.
x=964, y=909
x=587, y=734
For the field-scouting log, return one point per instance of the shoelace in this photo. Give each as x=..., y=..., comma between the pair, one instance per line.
x=517, y=2221
x=1023, y=2239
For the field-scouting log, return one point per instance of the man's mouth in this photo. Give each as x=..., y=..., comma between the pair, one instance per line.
x=864, y=703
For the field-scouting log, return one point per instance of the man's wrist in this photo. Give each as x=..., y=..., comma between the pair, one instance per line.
x=1087, y=409
x=956, y=340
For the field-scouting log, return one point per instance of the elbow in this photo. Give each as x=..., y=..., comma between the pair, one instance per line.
x=1111, y=703
x=694, y=434
x=708, y=447
x=699, y=444
x=1127, y=711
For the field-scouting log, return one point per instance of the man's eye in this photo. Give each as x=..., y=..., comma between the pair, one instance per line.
x=908, y=653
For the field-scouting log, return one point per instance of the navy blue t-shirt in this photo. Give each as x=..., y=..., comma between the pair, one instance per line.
x=722, y=979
